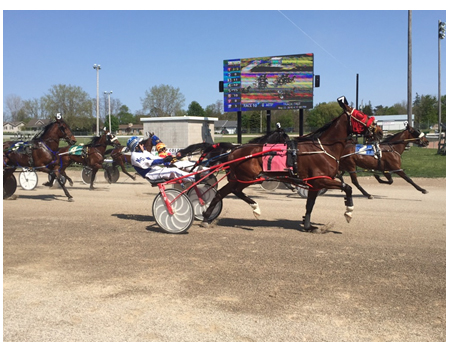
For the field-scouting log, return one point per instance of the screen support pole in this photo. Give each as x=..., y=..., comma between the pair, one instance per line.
x=239, y=127
x=300, y=122
x=268, y=121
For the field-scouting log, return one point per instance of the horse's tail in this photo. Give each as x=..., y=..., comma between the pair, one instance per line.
x=216, y=152
x=197, y=147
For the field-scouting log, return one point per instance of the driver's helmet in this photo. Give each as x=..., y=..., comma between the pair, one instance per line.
x=133, y=142
x=160, y=146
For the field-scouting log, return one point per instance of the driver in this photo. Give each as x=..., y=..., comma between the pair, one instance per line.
x=153, y=167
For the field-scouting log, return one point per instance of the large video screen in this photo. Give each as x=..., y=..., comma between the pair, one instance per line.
x=270, y=82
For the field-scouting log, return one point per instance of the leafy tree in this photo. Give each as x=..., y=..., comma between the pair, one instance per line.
x=162, y=100
x=125, y=117
x=14, y=104
x=425, y=110
x=367, y=109
x=114, y=124
x=215, y=110
x=195, y=109
x=72, y=102
x=322, y=114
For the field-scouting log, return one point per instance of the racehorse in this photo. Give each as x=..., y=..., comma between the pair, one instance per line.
x=41, y=152
x=315, y=163
x=120, y=157
x=90, y=155
x=387, y=160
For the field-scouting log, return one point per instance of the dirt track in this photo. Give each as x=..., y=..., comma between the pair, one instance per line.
x=100, y=269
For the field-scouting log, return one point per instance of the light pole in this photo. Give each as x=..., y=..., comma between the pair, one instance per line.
x=441, y=35
x=109, y=108
x=97, y=67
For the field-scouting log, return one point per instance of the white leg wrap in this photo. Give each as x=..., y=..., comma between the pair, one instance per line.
x=256, y=210
x=348, y=213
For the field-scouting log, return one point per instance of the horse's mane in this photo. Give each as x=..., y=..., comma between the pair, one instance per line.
x=316, y=134
x=44, y=130
x=94, y=140
x=271, y=137
x=391, y=137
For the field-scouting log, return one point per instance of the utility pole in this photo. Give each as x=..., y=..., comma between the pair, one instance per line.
x=441, y=35
x=97, y=67
x=409, y=68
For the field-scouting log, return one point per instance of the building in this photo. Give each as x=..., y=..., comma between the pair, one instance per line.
x=130, y=129
x=180, y=131
x=225, y=127
x=393, y=122
x=13, y=127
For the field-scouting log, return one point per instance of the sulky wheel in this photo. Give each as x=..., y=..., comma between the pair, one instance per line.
x=206, y=193
x=182, y=217
x=113, y=172
x=270, y=185
x=9, y=186
x=86, y=175
x=28, y=179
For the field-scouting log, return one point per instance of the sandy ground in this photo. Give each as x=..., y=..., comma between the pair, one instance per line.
x=101, y=270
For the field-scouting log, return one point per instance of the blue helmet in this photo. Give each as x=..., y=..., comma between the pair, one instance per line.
x=132, y=142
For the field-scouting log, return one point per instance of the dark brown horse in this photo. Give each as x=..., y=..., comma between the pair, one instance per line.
x=388, y=159
x=90, y=155
x=41, y=152
x=121, y=156
x=314, y=162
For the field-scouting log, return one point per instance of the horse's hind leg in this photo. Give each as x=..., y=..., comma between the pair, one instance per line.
x=408, y=179
x=348, y=201
x=312, y=195
x=356, y=183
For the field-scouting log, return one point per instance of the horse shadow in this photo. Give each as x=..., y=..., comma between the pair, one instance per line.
x=38, y=197
x=252, y=225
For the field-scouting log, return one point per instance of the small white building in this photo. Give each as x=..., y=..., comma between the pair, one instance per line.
x=393, y=122
x=181, y=131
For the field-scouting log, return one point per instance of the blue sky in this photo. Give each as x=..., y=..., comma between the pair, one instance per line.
x=186, y=49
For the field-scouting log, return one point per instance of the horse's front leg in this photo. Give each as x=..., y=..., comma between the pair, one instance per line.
x=59, y=178
x=93, y=173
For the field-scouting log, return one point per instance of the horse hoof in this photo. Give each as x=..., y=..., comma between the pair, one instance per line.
x=204, y=225
x=46, y=184
x=370, y=197
x=71, y=199
x=71, y=183
x=424, y=192
x=348, y=217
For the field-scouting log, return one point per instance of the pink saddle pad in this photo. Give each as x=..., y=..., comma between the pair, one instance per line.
x=276, y=160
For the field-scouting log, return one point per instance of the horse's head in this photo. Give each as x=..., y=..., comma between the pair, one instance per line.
x=360, y=123
x=112, y=140
x=64, y=131
x=418, y=136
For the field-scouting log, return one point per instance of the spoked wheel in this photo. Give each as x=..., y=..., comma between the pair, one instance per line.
x=206, y=193
x=28, y=179
x=9, y=186
x=270, y=185
x=63, y=178
x=303, y=191
x=183, y=213
x=113, y=172
x=86, y=175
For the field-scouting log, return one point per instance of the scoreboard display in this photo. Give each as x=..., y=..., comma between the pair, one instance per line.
x=265, y=83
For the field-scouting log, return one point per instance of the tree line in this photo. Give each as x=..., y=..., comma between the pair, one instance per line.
x=80, y=110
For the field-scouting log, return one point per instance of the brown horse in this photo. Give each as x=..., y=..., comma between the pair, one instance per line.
x=40, y=153
x=387, y=160
x=120, y=156
x=314, y=159
x=90, y=155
